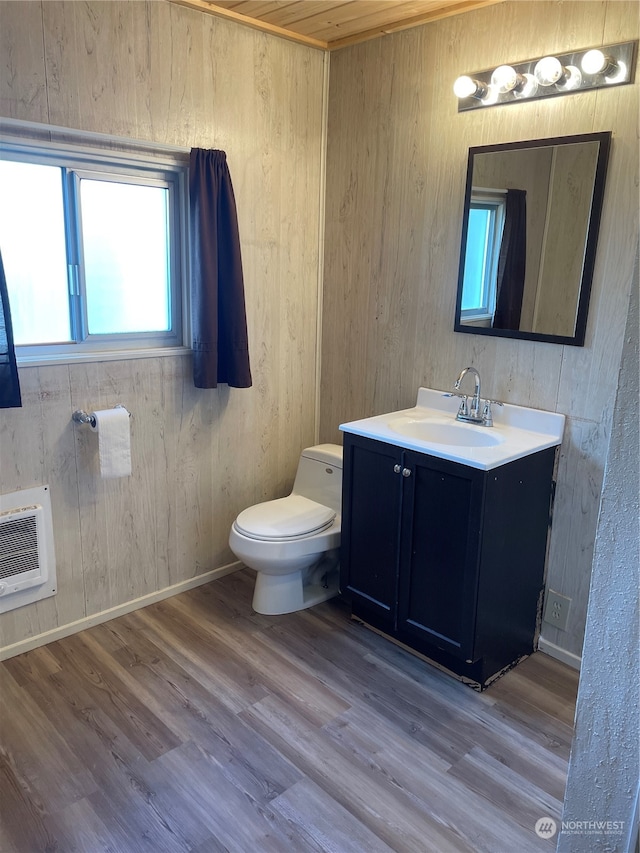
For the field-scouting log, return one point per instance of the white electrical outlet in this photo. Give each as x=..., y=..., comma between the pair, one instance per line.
x=556, y=610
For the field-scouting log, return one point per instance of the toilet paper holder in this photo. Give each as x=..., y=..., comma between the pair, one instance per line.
x=82, y=417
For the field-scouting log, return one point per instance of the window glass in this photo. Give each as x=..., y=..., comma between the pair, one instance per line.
x=32, y=239
x=476, y=258
x=125, y=245
x=484, y=237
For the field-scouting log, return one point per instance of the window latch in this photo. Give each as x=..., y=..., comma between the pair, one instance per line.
x=73, y=276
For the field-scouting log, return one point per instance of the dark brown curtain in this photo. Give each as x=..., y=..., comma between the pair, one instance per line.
x=512, y=262
x=219, y=324
x=9, y=383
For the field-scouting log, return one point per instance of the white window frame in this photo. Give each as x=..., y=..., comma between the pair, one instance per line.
x=495, y=200
x=84, y=159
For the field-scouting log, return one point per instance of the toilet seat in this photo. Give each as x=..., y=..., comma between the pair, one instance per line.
x=284, y=519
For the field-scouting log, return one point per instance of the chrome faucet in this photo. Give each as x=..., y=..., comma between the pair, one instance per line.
x=471, y=415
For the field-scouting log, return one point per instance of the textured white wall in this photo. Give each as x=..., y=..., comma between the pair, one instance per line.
x=605, y=761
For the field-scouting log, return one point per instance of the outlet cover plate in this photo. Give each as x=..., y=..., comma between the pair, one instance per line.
x=556, y=610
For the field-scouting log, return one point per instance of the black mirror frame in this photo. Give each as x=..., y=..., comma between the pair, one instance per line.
x=604, y=140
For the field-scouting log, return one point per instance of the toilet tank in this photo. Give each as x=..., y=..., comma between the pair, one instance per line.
x=319, y=475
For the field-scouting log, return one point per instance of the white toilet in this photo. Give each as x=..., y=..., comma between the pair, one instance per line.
x=293, y=542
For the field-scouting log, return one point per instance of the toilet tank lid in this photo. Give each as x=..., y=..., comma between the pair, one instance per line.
x=329, y=453
x=284, y=518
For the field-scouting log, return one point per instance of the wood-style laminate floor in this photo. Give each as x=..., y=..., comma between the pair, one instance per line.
x=197, y=725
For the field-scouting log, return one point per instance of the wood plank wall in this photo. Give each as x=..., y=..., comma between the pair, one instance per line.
x=156, y=71
x=397, y=154
x=396, y=166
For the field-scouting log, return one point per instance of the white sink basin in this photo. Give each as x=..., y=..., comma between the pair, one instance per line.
x=431, y=427
x=454, y=434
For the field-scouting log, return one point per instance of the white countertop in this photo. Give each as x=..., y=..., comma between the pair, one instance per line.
x=519, y=431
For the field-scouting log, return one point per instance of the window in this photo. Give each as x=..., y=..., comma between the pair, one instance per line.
x=484, y=236
x=93, y=249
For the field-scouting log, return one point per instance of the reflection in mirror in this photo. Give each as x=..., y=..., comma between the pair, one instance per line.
x=531, y=217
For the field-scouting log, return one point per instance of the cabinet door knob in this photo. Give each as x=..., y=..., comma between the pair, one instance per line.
x=397, y=469
x=406, y=472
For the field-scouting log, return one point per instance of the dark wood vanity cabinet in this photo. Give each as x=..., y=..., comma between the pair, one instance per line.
x=445, y=558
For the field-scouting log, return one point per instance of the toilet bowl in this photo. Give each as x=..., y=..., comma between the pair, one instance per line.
x=293, y=543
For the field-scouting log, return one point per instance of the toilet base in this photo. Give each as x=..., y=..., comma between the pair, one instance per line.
x=277, y=594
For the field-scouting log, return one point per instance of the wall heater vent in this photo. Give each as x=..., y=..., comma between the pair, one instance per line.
x=27, y=557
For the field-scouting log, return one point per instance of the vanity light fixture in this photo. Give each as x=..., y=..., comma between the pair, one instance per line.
x=560, y=74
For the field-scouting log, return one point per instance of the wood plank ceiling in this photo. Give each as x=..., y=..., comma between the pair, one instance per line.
x=329, y=25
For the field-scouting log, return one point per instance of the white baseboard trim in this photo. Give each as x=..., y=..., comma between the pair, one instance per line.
x=120, y=610
x=559, y=654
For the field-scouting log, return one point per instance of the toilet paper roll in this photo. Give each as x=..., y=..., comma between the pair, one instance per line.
x=114, y=442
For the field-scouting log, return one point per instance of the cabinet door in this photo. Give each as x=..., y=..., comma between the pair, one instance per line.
x=440, y=553
x=370, y=528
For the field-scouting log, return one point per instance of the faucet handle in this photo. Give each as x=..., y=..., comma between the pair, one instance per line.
x=464, y=404
x=487, y=414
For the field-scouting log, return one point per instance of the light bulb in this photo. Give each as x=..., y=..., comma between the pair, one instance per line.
x=505, y=78
x=528, y=87
x=572, y=79
x=548, y=71
x=467, y=87
x=490, y=97
x=595, y=62
x=617, y=74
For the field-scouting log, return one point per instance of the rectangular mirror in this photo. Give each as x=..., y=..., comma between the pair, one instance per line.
x=529, y=234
